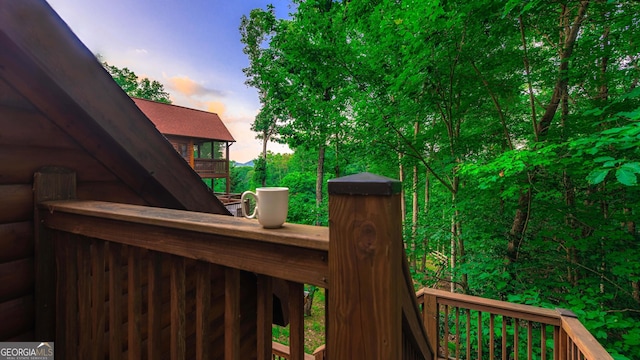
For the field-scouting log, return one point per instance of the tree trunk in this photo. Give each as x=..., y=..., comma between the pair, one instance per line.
x=265, y=140
x=414, y=208
x=425, y=240
x=319, y=182
x=568, y=40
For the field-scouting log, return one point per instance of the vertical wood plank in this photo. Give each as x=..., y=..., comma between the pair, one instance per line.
x=232, y=314
x=66, y=297
x=178, y=333
x=445, y=337
x=84, y=298
x=296, y=320
x=516, y=339
x=504, y=338
x=134, y=303
x=97, y=299
x=543, y=342
x=492, y=325
x=203, y=310
x=431, y=321
x=49, y=183
x=265, y=316
x=115, y=301
x=365, y=265
x=457, y=332
x=529, y=339
x=154, y=312
x=479, y=334
x=468, y=328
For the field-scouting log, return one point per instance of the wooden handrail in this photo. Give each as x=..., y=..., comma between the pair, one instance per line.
x=570, y=338
x=295, y=252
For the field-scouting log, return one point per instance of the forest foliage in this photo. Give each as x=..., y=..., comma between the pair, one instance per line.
x=514, y=127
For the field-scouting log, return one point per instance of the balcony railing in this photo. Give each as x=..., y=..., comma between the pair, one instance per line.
x=138, y=282
x=211, y=167
x=470, y=327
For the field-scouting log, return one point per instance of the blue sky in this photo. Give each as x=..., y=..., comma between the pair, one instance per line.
x=192, y=47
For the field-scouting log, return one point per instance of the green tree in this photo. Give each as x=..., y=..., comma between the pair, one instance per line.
x=137, y=87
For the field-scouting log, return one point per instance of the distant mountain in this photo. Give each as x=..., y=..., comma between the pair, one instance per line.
x=248, y=163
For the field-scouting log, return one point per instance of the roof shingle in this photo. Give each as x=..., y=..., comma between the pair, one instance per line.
x=181, y=121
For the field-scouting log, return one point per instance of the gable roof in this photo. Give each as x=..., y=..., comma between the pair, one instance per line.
x=181, y=121
x=42, y=61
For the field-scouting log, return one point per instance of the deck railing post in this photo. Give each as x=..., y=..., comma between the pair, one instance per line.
x=49, y=183
x=365, y=268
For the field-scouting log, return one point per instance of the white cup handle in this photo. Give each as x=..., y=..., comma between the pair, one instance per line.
x=254, y=214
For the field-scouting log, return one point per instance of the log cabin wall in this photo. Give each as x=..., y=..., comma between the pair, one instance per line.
x=28, y=142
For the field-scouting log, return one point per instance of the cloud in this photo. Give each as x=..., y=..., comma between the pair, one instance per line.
x=189, y=87
x=141, y=51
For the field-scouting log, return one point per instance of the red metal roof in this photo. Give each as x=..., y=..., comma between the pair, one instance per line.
x=181, y=121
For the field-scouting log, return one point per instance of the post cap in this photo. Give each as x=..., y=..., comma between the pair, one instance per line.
x=364, y=184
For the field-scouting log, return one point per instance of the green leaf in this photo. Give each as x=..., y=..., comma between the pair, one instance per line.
x=597, y=176
x=631, y=166
x=626, y=176
x=603, y=159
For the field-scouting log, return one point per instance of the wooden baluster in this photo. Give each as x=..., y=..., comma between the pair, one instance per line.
x=457, y=332
x=492, y=336
x=529, y=339
x=468, y=323
x=265, y=316
x=445, y=340
x=178, y=333
x=154, y=313
x=504, y=338
x=516, y=336
x=203, y=310
x=115, y=301
x=543, y=342
x=479, y=334
x=134, y=304
x=66, y=296
x=558, y=350
x=84, y=298
x=97, y=299
x=296, y=320
x=365, y=248
x=232, y=314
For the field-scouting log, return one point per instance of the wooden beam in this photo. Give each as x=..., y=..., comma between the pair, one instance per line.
x=278, y=253
x=17, y=203
x=16, y=241
x=49, y=183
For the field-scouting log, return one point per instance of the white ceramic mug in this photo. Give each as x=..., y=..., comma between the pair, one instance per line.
x=272, y=204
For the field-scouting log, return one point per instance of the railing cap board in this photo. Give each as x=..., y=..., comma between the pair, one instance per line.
x=364, y=184
x=305, y=236
x=520, y=311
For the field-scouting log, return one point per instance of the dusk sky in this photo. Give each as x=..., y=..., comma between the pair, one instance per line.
x=192, y=47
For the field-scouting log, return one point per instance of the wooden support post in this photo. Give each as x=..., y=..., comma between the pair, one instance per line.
x=265, y=317
x=365, y=268
x=430, y=319
x=49, y=183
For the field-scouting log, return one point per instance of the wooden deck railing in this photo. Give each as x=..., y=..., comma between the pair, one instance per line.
x=138, y=282
x=469, y=327
x=211, y=167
